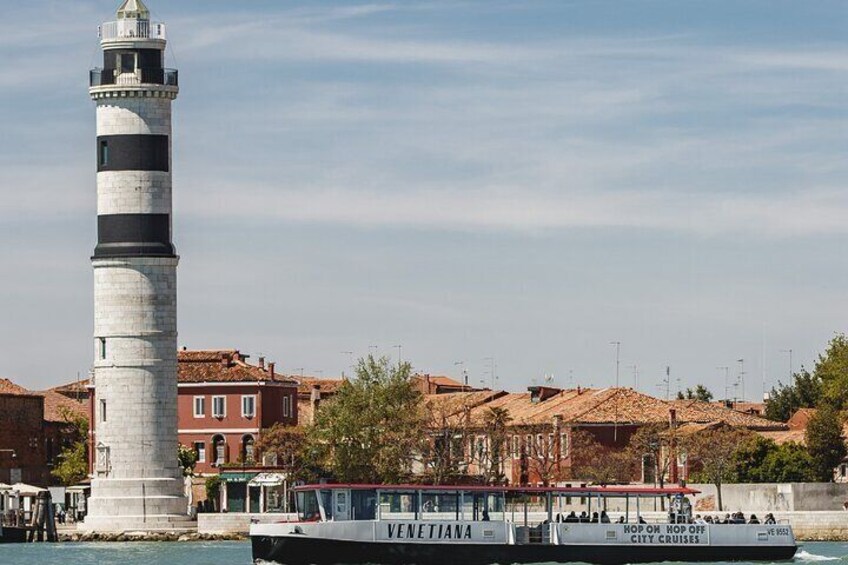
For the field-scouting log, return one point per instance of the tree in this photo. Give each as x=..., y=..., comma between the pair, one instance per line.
x=288, y=448
x=490, y=449
x=784, y=400
x=188, y=459
x=369, y=431
x=701, y=393
x=713, y=451
x=596, y=462
x=832, y=370
x=213, y=491
x=748, y=461
x=442, y=452
x=825, y=443
x=788, y=463
x=541, y=452
x=649, y=446
x=73, y=459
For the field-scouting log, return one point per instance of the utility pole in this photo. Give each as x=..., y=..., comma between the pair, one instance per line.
x=635, y=376
x=350, y=359
x=400, y=349
x=463, y=372
x=668, y=382
x=617, y=345
x=742, y=376
x=726, y=370
x=494, y=368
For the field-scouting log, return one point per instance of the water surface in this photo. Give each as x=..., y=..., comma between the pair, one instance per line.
x=238, y=553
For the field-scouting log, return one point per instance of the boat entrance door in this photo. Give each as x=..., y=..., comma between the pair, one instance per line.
x=341, y=505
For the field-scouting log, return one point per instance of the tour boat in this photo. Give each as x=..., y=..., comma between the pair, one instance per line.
x=13, y=534
x=482, y=525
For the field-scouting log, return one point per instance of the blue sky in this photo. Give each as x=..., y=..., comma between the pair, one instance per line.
x=524, y=180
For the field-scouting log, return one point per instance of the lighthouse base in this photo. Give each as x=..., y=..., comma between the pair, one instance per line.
x=136, y=505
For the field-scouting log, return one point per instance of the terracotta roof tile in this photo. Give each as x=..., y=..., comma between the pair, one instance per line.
x=8, y=387
x=225, y=365
x=55, y=405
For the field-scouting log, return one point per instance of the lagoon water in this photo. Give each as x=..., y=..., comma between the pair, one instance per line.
x=238, y=553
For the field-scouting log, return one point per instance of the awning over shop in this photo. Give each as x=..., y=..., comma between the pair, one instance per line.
x=26, y=490
x=236, y=477
x=268, y=480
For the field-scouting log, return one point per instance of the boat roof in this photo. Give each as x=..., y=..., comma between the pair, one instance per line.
x=598, y=490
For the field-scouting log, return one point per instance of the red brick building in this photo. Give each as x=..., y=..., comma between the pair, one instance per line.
x=224, y=403
x=33, y=432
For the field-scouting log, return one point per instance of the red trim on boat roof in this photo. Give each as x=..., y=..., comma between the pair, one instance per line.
x=619, y=490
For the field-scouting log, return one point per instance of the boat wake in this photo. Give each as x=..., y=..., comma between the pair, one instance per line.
x=804, y=555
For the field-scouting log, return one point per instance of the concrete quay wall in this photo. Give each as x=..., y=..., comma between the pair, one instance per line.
x=236, y=522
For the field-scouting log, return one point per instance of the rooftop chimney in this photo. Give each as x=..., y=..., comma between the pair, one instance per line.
x=271, y=366
x=261, y=362
x=315, y=401
x=225, y=359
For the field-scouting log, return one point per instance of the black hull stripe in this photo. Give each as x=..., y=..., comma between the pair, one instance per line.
x=305, y=550
x=132, y=153
x=121, y=235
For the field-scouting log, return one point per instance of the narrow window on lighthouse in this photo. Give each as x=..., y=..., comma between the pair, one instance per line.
x=101, y=351
x=102, y=410
x=104, y=153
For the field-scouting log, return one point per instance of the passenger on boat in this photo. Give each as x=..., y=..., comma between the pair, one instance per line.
x=595, y=518
x=753, y=519
x=485, y=514
x=708, y=519
x=769, y=519
x=642, y=520
x=584, y=517
x=699, y=520
x=604, y=518
x=572, y=517
x=621, y=520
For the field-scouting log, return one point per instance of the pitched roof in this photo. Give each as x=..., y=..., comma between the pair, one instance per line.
x=699, y=411
x=325, y=386
x=56, y=405
x=222, y=365
x=8, y=387
x=801, y=418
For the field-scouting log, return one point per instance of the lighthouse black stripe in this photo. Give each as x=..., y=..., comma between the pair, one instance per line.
x=132, y=153
x=120, y=235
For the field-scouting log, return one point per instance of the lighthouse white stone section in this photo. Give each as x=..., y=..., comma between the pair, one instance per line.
x=137, y=483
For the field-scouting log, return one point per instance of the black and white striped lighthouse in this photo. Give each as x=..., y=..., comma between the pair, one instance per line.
x=137, y=483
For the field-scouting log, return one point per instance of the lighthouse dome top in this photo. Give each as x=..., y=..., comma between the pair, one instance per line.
x=133, y=10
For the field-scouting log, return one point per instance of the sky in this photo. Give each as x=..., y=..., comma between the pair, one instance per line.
x=507, y=184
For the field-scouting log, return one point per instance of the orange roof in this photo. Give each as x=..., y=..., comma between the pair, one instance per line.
x=699, y=411
x=8, y=387
x=56, y=404
x=801, y=418
x=306, y=384
x=222, y=365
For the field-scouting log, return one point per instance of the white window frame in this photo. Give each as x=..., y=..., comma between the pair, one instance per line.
x=223, y=413
x=200, y=449
x=286, y=406
x=244, y=398
x=202, y=412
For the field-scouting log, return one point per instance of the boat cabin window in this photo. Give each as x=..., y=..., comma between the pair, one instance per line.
x=363, y=504
x=307, y=506
x=398, y=505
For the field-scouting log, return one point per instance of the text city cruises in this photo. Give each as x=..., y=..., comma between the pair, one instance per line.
x=476, y=525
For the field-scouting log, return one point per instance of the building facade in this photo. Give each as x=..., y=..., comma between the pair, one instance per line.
x=137, y=482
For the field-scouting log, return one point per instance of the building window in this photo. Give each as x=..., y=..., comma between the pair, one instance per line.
x=248, y=406
x=102, y=409
x=563, y=445
x=219, y=448
x=101, y=347
x=219, y=406
x=127, y=62
x=843, y=470
x=103, y=154
x=200, y=450
x=247, y=449
x=286, y=406
x=199, y=406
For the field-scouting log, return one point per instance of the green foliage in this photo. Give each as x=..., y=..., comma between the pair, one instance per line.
x=700, y=392
x=748, y=459
x=649, y=446
x=213, y=490
x=596, y=462
x=788, y=463
x=713, y=451
x=825, y=443
x=784, y=400
x=372, y=427
x=188, y=459
x=289, y=449
x=832, y=371
x=73, y=460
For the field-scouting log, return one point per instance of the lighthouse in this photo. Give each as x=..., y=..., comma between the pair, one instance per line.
x=137, y=483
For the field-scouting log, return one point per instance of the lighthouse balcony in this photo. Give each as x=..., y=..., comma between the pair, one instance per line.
x=139, y=77
x=132, y=29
